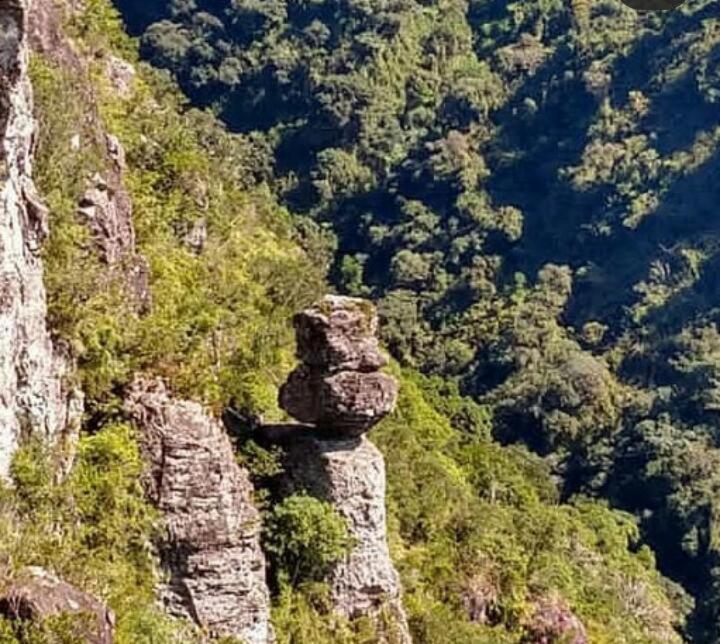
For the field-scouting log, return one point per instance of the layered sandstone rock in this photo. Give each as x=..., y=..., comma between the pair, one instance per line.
x=338, y=387
x=32, y=398
x=350, y=474
x=339, y=394
x=39, y=595
x=211, y=551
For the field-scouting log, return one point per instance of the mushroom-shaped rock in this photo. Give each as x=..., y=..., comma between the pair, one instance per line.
x=338, y=387
x=40, y=595
x=339, y=334
x=346, y=402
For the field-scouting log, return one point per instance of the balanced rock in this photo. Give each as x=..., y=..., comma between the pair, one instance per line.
x=338, y=387
x=39, y=595
x=339, y=333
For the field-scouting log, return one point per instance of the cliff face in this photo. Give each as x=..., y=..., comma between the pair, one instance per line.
x=32, y=399
x=211, y=551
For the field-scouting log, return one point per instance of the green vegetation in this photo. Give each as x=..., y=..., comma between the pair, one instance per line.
x=389, y=136
x=93, y=529
x=304, y=538
x=528, y=190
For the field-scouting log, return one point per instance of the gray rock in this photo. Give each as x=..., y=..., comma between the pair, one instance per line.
x=350, y=474
x=338, y=387
x=345, y=402
x=33, y=400
x=39, y=595
x=339, y=334
x=211, y=551
x=107, y=211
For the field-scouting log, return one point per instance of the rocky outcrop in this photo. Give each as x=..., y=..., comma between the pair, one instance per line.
x=338, y=387
x=350, y=474
x=211, y=551
x=552, y=622
x=340, y=393
x=39, y=595
x=106, y=209
x=32, y=398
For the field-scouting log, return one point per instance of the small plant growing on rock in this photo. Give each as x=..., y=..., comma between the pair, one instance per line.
x=304, y=538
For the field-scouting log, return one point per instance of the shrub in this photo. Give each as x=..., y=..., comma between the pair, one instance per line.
x=304, y=538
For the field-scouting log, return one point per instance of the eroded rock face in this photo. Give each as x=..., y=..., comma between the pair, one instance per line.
x=211, y=551
x=106, y=209
x=350, y=474
x=32, y=398
x=40, y=595
x=338, y=387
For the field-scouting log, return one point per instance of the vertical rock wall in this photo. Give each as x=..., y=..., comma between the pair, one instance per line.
x=32, y=400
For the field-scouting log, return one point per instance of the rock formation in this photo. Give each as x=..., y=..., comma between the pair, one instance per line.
x=211, y=552
x=40, y=595
x=552, y=621
x=106, y=209
x=338, y=387
x=340, y=392
x=32, y=399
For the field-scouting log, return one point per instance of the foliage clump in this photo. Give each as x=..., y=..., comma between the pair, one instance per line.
x=305, y=537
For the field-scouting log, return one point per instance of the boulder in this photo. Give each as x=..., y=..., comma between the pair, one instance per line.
x=339, y=334
x=40, y=595
x=345, y=402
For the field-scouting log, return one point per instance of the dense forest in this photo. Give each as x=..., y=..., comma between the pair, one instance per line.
x=529, y=191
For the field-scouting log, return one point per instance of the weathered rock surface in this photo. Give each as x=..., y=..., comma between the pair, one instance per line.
x=338, y=387
x=32, y=398
x=346, y=402
x=40, y=595
x=211, y=552
x=339, y=334
x=552, y=623
x=106, y=209
x=350, y=474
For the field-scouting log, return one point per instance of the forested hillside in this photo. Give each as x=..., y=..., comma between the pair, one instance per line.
x=529, y=191
x=209, y=245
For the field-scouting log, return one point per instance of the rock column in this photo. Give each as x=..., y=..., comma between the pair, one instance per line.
x=339, y=393
x=215, y=569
